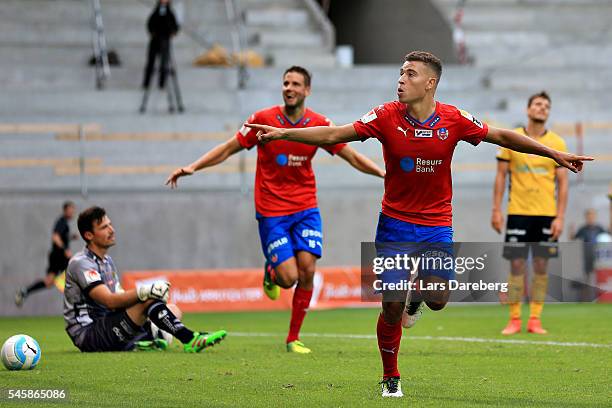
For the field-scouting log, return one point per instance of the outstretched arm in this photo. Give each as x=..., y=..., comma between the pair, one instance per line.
x=214, y=156
x=316, y=135
x=524, y=144
x=360, y=162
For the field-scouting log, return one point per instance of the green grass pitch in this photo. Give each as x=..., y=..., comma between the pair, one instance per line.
x=439, y=366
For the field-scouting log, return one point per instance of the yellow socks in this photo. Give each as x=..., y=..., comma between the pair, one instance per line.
x=516, y=287
x=539, y=284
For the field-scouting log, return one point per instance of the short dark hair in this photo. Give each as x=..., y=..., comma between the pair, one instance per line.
x=87, y=218
x=67, y=204
x=541, y=94
x=300, y=70
x=428, y=59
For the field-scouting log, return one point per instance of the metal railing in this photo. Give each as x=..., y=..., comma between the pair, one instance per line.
x=327, y=28
x=98, y=39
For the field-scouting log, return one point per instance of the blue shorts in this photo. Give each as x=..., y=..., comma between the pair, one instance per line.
x=434, y=245
x=281, y=237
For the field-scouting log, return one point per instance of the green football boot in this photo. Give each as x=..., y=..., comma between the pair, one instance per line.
x=203, y=340
x=271, y=289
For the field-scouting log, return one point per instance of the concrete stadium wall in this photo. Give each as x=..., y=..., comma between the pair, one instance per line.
x=184, y=230
x=382, y=31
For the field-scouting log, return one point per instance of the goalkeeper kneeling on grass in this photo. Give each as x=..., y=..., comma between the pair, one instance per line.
x=101, y=316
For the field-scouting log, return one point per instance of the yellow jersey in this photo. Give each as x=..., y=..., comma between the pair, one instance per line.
x=532, y=178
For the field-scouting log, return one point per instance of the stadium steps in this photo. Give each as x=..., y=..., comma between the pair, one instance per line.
x=284, y=32
x=536, y=33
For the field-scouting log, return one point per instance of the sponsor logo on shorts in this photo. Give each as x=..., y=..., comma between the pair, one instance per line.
x=125, y=326
x=118, y=333
x=516, y=231
x=311, y=233
x=278, y=243
x=162, y=314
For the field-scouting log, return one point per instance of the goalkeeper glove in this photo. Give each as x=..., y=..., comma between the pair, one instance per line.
x=157, y=290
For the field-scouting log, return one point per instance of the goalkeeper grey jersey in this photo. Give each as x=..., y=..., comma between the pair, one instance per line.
x=85, y=271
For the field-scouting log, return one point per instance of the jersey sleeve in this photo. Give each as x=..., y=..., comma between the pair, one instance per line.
x=371, y=124
x=472, y=130
x=334, y=149
x=85, y=273
x=503, y=154
x=331, y=149
x=247, y=137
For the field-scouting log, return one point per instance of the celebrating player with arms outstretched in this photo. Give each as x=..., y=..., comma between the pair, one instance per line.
x=285, y=195
x=419, y=136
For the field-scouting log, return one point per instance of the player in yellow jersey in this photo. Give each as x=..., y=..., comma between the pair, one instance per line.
x=537, y=199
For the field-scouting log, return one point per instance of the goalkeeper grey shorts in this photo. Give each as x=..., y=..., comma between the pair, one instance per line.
x=113, y=332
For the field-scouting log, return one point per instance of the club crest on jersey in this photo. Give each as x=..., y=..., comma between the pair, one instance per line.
x=442, y=133
x=423, y=133
x=306, y=121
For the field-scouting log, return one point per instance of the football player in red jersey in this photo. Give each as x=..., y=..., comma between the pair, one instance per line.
x=418, y=135
x=285, y=195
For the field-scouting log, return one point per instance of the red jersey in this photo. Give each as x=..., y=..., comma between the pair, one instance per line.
x=418, y=184
x=284, y=180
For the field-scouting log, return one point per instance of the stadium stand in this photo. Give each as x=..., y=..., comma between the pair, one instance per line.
x=46, y=80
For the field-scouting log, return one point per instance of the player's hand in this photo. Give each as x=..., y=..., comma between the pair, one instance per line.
x=68, y=253
x=571, y=161
x=266, y=133
x=497, y=221
x=176, y=174
x=159, y=290
x=556, y=228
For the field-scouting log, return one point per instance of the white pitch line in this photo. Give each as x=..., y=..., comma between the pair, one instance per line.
x=439, y=338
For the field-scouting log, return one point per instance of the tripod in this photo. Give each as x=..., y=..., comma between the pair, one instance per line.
x=175, y=100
